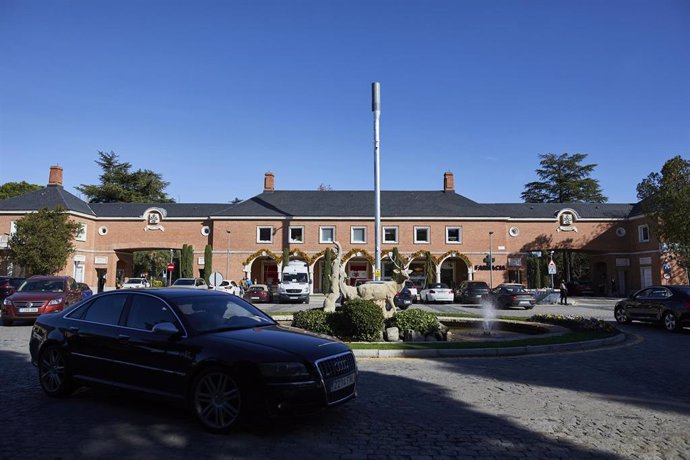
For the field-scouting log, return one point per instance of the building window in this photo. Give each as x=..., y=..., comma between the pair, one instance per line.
x=358, y=235
x=390, y=234
x=326, y=234
x=296, y=234
x=81, y=233
x=643, y=232
x=453, y=235
x=421, y=235
x=264, y=234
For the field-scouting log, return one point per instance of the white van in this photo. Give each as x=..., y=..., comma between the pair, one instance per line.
x=295, y=284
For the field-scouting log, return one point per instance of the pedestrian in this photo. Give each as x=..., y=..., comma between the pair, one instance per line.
x=613, y=287
x=564, y=293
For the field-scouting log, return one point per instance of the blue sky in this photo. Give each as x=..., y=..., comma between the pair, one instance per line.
x=212, y=94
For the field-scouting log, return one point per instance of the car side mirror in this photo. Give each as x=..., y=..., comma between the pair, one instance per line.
x=166, y=329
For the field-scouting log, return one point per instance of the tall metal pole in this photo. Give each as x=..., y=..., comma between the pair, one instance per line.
x=376, y=108
x=491, y=264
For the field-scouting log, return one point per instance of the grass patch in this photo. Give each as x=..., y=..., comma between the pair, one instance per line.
x=569, y=337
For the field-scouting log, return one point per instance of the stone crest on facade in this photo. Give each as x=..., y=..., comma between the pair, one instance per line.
x=153, y=217
x=566, y=220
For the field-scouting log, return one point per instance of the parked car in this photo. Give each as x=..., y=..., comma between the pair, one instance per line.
x=580, y=288
x=409, y=284
x=436, y=292
x=38, y=295
x=471, y=291
x=191, y=283
x=230, y=359
x=668, y=305
x=510, y=295
x=8, y=285
x=85, y=289
x=135, y=283
x=258, y=293
x=403, y=299
x=229, y=286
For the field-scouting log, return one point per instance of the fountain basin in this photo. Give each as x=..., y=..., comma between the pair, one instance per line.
x=475, y=329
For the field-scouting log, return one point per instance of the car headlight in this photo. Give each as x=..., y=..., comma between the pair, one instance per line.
x=283, y=370
x=7, y=302
x=57, y=301
x=282, y=290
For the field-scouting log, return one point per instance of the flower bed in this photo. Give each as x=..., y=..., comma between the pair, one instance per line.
x=575, y=323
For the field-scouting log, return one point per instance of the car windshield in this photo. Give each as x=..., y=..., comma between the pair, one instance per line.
x=515, y=289
x=134, y=281
x=438, y=286
x=219, y=313
x=42, y=286
x=184, y=282
x=295, y=278
x=256, y=288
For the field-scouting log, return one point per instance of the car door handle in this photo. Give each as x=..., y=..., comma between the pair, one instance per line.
x=122, y=337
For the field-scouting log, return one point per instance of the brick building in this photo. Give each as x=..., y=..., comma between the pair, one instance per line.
x=248, y=238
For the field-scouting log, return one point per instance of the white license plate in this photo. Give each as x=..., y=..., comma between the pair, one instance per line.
x=256, y=298
x=28, y=310
x=524, y=302
x=342, y=382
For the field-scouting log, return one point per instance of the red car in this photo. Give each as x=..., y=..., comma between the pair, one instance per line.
x=258, y=293
x=8, y=285
x=38, y=295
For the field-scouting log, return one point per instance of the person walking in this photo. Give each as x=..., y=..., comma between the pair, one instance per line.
x=564, y=293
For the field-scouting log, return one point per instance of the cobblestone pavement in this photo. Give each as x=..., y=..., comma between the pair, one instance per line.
x=627, y=401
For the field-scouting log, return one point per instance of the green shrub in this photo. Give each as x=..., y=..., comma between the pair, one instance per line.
x=414, y=319
x=363, y=320
x=315, y=320
x=575, y=323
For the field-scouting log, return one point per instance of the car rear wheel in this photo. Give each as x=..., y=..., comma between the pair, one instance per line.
x=671, y=323
x=217, y=400
x=621, y=316
x=53, y=373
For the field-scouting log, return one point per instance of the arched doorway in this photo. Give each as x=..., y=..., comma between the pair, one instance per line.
x=264, y=270
x=453, y=269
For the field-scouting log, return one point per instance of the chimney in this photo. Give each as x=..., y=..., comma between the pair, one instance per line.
x=269, y=182
x=448, y=182
x=55, y=177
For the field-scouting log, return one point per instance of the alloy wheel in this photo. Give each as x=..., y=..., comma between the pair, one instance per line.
x=620, y=315
x=217, y=400
x=670, y=322
x=53, y=371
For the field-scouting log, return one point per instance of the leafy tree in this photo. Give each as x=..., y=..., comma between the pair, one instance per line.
x=286, y=256
x=12, y=189
x=187, y=261
x=43, y=241
x=564, y=180
x=664, y=199
x=208, y=262
x=118, y=184
x=154, y=262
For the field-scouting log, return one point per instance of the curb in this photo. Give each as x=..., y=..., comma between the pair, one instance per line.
x=483, y=352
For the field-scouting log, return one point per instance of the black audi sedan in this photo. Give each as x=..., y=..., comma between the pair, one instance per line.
x=668, y=305
x=220, y=355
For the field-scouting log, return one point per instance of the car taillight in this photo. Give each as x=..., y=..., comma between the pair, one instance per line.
x=513, y=297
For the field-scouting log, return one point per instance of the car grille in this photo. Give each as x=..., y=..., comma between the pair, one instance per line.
x=293, y=291
x=334, y=368
x=29, y=304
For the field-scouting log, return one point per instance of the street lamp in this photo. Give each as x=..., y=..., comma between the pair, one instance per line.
x=552, y=285
x=227, y=266
x=491, y=261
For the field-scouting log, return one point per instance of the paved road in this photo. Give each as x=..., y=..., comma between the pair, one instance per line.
x=628, y=401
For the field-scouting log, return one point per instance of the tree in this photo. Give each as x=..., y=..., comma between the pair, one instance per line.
x=187, y=261
x=324, y=188
x=43, y=241
x=153, y=262
x=664, y=199
x=327, y=270
x=208, y=262
x=118, y=184
x=564, y=180
x=12, y=189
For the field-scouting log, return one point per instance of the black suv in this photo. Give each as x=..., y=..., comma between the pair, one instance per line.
x=9, y=284
x=471, y=291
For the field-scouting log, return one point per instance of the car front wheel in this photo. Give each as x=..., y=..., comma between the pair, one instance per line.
x=621, y=316
x=671, y=323
x=53, y=373
x=217, y=400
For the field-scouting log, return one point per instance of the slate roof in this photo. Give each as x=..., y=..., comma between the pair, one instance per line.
x=50, y=197
x=358, y=204
x=345, y=204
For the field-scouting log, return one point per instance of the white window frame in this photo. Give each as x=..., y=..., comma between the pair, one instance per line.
x=641, y=230
x=13, y=227
x=352, y=234
x=296, y=227
x=326, y=227
x=397, y=235
x=258, y=234
x=81, y=234
x=459, y=229
x=428, y=235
